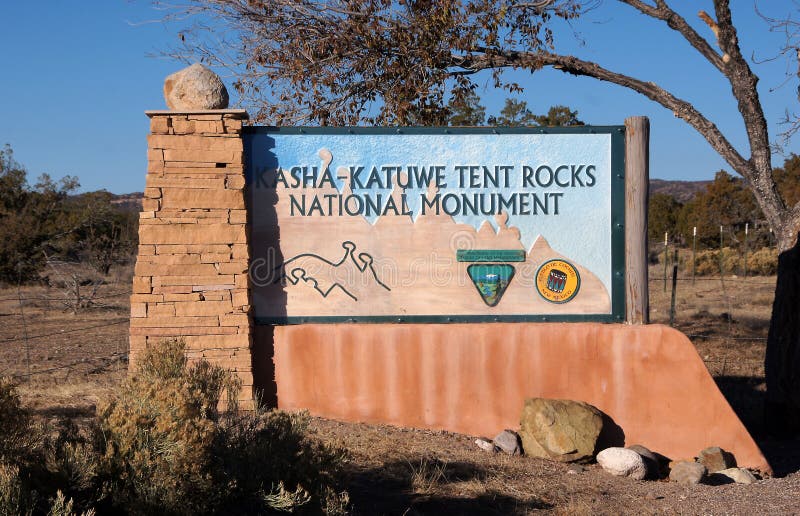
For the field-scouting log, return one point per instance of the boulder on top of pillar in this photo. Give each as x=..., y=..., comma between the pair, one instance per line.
x=195, y=88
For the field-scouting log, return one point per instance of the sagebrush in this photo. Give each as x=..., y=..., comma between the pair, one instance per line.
x=163, y=445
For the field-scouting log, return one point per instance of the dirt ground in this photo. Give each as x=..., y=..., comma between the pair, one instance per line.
x=67, y=362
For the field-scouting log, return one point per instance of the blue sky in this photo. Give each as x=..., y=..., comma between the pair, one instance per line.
x=77, y=80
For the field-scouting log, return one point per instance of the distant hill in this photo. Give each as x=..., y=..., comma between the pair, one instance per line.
x=128, y=202
x=682, y=191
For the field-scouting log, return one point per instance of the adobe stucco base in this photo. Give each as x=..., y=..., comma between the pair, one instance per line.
x=473, y=378
x=191, y=277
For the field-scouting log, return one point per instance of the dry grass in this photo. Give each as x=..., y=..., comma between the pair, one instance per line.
x=404, y=471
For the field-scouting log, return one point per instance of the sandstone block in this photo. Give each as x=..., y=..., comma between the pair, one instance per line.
x=156, y=155
x=229, y=342
x=160, y=309
x=175, y=259
x=240, y=250
x=167, y=331
x=152, y=193
x=209, y=127
x=193, y=280
x=234, y=320
x=210, y=288
x=147, y=250
x=206, y=156
x=240, y=297
x=215, y=257
x=234, y=267
x=194, y=142
x=138, y=309
x=155, y=167
x=159, y=124
x=183, y=126
x=146, y=298
x=182, y=298
x=196, y=116
x=203, y=308
x=147, y=215
x=234, y=182
x=193, y=234
x=176, y=198
x=142, y=285
x=162, y=270
x=173, y=289
x=232, y=126
x=151, y=204
x=176, y=182
x=175, y=322
x=237, y=216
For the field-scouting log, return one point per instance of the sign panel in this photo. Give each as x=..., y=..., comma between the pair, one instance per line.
x=436, y=225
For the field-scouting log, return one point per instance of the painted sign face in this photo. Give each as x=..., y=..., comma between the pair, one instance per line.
x=436, y=224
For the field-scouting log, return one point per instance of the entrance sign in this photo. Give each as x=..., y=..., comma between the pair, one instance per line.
x=435, y=224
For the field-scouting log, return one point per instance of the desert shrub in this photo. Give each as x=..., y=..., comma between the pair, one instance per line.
x=16, y=439
x=763, y=262
x=708, y=262
x=169, y=449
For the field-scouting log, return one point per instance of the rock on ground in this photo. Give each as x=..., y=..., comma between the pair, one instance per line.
x=561, y=430
x=195, y=88
x=716, y=459
x=651, y=461
x=622, y=462
x=508, y=441
x=686, y=472
x=486, y=445
x=738, y=475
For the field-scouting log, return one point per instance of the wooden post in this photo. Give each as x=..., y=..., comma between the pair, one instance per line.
x=637, y=182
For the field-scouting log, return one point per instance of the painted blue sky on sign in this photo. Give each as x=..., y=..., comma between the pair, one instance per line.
x=581, y=231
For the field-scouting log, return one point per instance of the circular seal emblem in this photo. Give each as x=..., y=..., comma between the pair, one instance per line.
x=558, y=281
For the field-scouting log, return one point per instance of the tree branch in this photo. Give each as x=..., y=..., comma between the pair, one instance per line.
x=575, y=66
x=676, y=22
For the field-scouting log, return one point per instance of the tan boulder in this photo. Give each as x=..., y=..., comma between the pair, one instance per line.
x=195, y=88
x=562, y=430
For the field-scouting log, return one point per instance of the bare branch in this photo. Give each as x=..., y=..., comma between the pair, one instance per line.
x=575, y=66
x=676, y=22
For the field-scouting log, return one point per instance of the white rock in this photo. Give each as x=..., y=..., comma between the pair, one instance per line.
x=195, y=88
x=738, y=475
x=622, y=463
x=486, y=445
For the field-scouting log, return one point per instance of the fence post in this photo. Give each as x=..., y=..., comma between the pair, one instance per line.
x=637, y=183
x=674, y=289
x=666, y=258
x=694, y=251
x=746, y=230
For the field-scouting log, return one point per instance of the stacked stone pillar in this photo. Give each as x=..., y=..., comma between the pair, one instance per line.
x=191, y=276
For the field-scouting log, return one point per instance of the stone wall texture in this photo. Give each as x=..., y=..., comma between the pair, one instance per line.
x=191, y=276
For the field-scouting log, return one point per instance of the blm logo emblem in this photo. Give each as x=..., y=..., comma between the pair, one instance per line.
x=491, y=280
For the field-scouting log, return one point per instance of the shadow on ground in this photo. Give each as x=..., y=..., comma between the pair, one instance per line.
x=430, y=486
x=746, y=395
